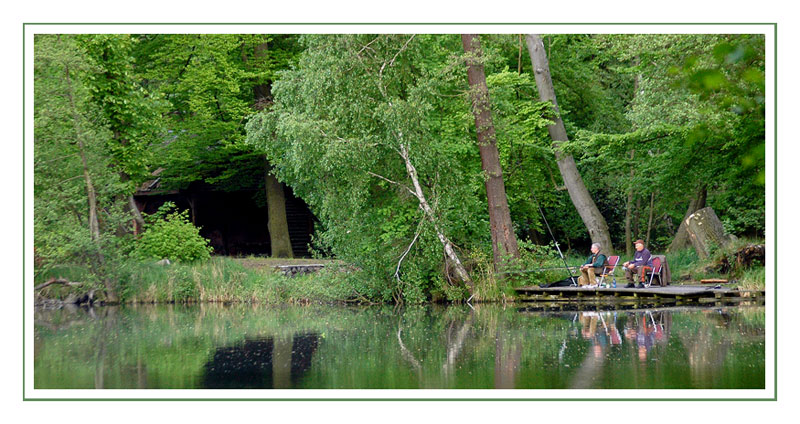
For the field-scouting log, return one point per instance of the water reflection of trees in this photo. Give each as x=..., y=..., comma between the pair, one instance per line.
x=591, y=367
x=708, y=347
x=412, y=347
x=267, y=363
x=457, y=329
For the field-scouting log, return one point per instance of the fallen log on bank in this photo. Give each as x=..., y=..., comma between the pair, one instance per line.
x=72, y=298
x=52, y=281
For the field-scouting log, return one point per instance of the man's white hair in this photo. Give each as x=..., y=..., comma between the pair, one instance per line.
x=596, y=244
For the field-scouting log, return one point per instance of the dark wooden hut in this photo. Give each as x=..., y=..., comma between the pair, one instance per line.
x=234, y=221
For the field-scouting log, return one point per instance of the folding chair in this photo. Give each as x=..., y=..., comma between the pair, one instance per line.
x=609, y=269
x=654, y=270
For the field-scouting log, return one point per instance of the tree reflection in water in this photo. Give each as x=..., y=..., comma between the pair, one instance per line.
x=275, y=362
x=429, y=347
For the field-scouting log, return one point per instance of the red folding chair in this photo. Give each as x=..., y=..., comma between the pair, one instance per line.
x=608, y=270
x=654, y=270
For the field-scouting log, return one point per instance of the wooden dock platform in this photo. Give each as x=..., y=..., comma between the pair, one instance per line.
x=668, y=294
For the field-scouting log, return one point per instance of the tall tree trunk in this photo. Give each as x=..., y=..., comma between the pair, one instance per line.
x=193, y=208
x=629, y=201
x=637, y=218
x=276, y=220
x=94, y=225
x=628, y=206
x=276, y=201
x=650, y=219
x=697, y=202
x=504, y=241
x=591, y=216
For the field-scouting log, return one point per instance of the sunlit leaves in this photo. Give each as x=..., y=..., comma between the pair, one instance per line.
x=132, y=114
x=209, y=82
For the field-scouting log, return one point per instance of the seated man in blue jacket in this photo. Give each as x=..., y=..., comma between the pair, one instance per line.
x=593, y=267
x=640, y=258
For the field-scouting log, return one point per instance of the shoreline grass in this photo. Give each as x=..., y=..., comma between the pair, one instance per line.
x=254, y=280
x=219, y=279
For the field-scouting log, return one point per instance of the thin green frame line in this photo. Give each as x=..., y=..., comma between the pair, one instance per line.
x=396, y=399
x=397, y=23
x=775, y=236
x=23, y=212
x=775, y=223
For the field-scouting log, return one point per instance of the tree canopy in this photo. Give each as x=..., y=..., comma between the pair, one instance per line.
x=651, y=119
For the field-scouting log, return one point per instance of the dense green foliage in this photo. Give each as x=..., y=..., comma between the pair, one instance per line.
x=330, y=115
x=64, y=114
x=209, y=82
x=334, y=135
x=126, y=109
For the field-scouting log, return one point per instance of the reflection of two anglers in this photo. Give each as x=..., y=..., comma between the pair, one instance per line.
x=609, y=334
x=645, y=331
x=597, y=262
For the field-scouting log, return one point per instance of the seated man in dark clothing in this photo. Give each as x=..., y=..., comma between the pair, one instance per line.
x=593, y=267
x=634, y=267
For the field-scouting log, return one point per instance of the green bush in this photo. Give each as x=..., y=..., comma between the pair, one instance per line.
x=170, y=235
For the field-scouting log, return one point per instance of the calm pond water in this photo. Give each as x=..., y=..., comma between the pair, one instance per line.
x=490, y=346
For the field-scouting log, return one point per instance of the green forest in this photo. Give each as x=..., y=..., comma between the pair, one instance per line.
x=428, y=161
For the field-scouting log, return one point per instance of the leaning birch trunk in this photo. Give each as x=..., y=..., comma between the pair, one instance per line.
x=94, y=225
x=706, y=231
x=461, y=273
x=591, y=216
x=504, y=241
x=426, y=208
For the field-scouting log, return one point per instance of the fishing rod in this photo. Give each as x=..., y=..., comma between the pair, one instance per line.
x=534, y=270
x=572, y=277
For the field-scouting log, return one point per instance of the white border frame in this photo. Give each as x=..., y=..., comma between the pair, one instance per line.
x=768, y=30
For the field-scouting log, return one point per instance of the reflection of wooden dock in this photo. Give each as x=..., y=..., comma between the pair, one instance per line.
x=668, y=294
